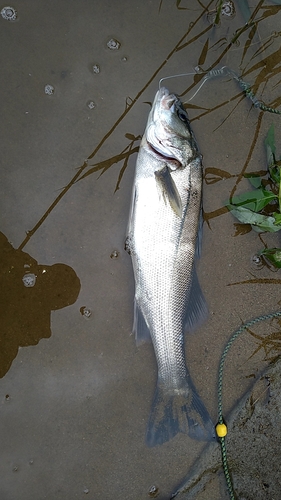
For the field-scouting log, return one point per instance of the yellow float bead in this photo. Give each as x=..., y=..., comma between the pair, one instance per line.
x=221, y=430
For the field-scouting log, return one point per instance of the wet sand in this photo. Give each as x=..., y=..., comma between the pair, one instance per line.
x=75, y=391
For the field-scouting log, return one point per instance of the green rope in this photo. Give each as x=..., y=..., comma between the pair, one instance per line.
x=220, y=414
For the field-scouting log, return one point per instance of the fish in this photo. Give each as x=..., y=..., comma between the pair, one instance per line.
x=164, y=240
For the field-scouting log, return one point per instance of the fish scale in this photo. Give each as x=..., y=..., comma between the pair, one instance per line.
x=162, y=240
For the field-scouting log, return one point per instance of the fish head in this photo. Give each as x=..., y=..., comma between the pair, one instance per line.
x=168, y=130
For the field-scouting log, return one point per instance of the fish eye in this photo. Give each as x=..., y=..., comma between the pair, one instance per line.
x=182, y=115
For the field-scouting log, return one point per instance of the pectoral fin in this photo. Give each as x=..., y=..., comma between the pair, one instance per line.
x=168, y=189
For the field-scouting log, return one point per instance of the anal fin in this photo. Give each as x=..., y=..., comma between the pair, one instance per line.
x=140, y=328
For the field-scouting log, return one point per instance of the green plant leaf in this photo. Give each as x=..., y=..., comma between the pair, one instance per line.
x=260, y=223
x=274, y=173
x=279, y=191
x=273, y=255
x=255, y=180
x=277, y=217
x=270, y=146
x=254, y=200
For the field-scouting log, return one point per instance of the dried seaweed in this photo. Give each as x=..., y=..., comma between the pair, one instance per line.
x=270, y=344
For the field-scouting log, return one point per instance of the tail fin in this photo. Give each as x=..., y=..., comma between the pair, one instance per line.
x=180, y=411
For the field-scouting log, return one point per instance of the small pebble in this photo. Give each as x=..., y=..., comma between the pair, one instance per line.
x=113, y=44
x=29, y=280
x=96, y=69
x=9, y=13
x=91, y=104
x=86, y=312
x=228, y=9
x=49, y=89
x=153, y=491
x=257, y=261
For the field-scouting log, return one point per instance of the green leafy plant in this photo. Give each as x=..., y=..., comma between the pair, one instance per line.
x=261, y=207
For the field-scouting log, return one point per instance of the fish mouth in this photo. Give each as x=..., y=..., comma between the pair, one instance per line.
x=164, y=93
x=164, y=99
x=167, y=101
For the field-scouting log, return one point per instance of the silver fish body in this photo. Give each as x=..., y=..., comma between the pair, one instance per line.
x=163, y=242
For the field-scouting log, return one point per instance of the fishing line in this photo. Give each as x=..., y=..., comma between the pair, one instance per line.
x=175, y=76
x=221, y=428
x=210, y=74
x=226, y=71
x=246, y=88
